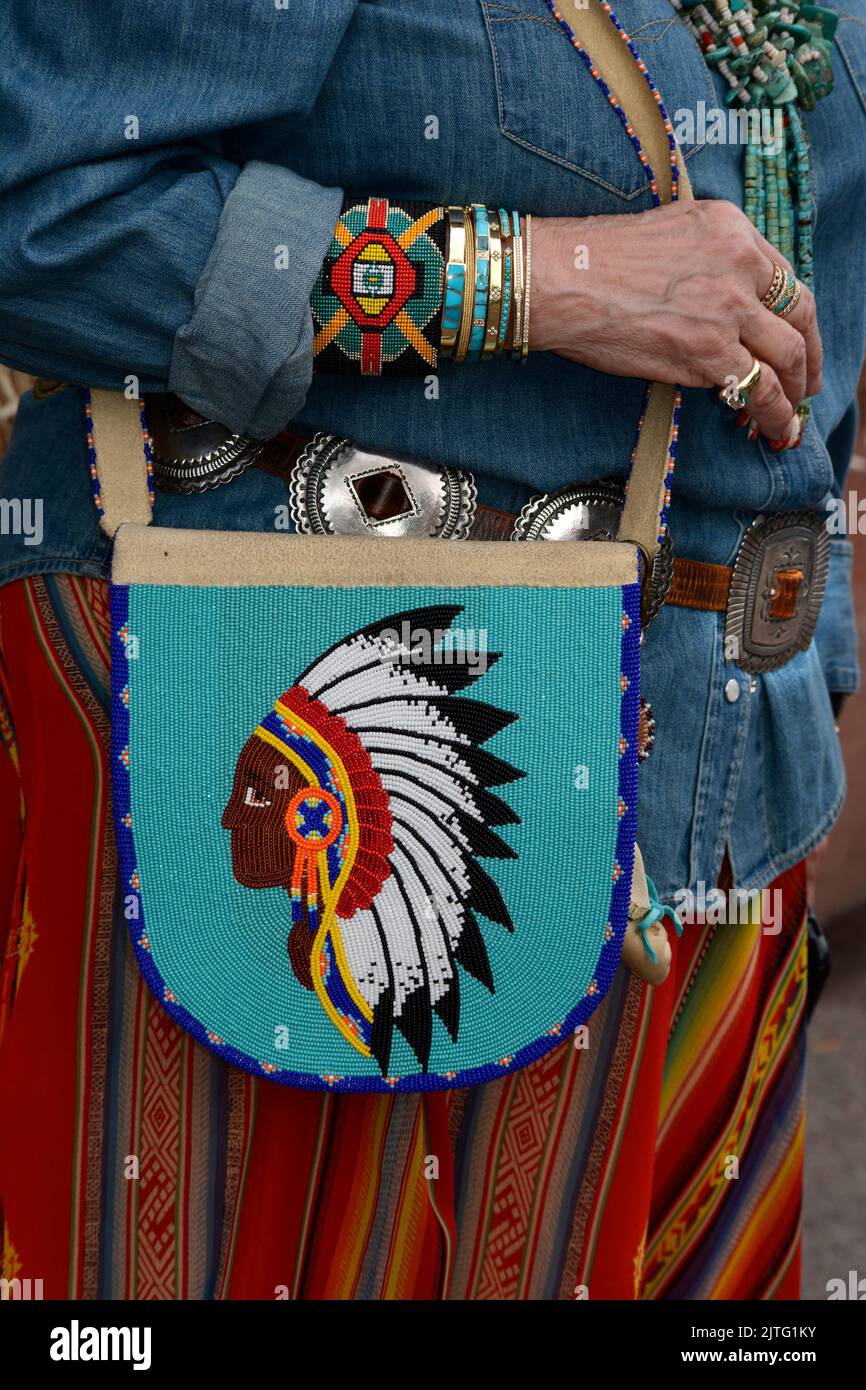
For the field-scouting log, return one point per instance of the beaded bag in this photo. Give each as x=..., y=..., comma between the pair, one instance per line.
x=376, y=802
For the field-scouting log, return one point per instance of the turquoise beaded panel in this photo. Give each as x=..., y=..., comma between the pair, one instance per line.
x=458, y=922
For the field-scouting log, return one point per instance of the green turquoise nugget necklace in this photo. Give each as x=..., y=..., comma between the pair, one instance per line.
x=776, y=59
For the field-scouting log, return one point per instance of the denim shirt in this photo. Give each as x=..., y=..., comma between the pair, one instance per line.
x=158, y=162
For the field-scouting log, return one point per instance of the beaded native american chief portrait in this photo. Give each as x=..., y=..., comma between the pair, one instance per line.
x=365, y=794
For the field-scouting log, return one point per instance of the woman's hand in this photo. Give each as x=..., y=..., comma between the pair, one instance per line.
x=674, y=294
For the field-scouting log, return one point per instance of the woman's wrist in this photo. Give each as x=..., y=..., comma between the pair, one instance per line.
x=564, y=288
x=672, y=294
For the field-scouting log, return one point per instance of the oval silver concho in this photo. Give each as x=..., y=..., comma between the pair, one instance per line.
x=339, y=489
x=580, y=512
x=191, y=453
x=591, y=512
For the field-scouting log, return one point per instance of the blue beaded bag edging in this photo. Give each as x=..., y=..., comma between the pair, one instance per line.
x=527, y=945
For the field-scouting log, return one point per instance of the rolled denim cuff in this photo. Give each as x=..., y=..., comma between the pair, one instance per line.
x=836, y=633
x=246, y=356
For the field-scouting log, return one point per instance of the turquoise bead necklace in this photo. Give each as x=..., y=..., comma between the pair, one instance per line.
x=776, y=59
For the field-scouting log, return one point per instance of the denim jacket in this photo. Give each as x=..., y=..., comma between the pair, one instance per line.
x=158, y=160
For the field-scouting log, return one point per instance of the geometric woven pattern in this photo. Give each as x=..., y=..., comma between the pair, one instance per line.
x=158, y=1145
x=535, y=1095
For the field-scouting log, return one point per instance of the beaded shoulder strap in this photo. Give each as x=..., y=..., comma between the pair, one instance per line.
x=612, y=60
x=120, y=468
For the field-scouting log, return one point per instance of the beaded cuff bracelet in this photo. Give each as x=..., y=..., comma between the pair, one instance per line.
x=406, y=284
x=377, y=302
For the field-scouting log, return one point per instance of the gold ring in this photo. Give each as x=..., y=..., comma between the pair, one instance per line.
x=783, y=296
x=737, y=394
x=790, y=304
x=776, y=286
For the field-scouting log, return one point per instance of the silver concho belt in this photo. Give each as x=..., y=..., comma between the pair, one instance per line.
x=192, y=453
x=337, y=488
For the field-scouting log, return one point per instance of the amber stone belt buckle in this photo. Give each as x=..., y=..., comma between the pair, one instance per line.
x=776, y=590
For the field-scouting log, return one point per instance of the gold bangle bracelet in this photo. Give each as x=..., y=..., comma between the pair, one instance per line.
x=524, y=349
x=455, y=275
x=494, y=294
x=468, y=291
x=517, y=273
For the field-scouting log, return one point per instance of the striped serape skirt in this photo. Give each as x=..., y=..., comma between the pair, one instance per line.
x=661, y=1160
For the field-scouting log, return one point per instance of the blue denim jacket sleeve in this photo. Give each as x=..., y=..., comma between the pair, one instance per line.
x=132, y=242
x=246, y=355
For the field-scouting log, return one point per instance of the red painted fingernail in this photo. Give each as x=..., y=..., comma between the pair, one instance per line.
x=791, y=438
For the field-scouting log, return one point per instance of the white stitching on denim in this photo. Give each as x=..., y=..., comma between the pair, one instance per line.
x=643, y=29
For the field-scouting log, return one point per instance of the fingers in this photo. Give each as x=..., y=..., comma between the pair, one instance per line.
x=768, y=405
x=777, y=343
x=773, y=255
x=804, y=318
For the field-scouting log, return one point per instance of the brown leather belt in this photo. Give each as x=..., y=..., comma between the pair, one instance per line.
x=181, y=438
x=771, y=596
x=698, y=584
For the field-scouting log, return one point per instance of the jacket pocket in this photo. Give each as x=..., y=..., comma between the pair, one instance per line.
x=550, y=104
